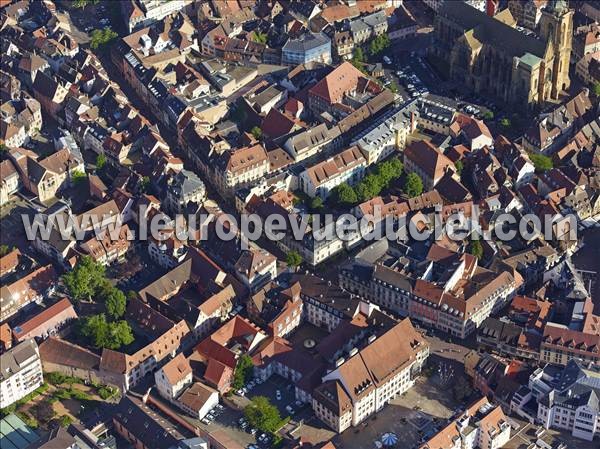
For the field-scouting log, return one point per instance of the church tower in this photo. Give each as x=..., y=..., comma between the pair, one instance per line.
x=556, y=26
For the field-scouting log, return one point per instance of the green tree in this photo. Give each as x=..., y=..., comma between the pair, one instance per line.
x=414, y=185
x=358, y=59
x=488, y=115
x=316, y=204
x=459, y=167
x=505, y=123
x=77, y=177
x=120, y=334
x=389, y=170
x=596, y=88
x=4, y=250
x=394, y=87
x=541, y=162
x=84, y=3
x=83, y=281
x=344, y=194
x=243, y=371
x=100, y=161
x=100, y=38
x=476, y=249
x=263, y=415
x=115, y=302
x=379, y=44
x=293, y=259
x=95, y=329
x=358, y=55
x=103, y=334
x=65, y=421
x=256, y=132
x=145, y=184
x=259, y=37
x=369, y=187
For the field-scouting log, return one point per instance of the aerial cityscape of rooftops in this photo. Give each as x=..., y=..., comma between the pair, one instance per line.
x=299, y=224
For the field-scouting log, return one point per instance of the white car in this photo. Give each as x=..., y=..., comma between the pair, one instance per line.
x=278, y=395
x=387, y=60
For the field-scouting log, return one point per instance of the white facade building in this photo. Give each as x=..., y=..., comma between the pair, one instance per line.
x=20, y=372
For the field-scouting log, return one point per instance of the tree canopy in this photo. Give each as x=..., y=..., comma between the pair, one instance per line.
x=77, y=177
x=476, y=249
x=256, y=132
x=293, y=259
x=259, y=37
x=371, y=185
x=85, y=279
x=596, y=88
x=379, y=44
x=84, y=3
x=100, y=38
x=114, y=300
x=316, y=204
x=459, y=167
x=100, y=161
x=344, y=195
x=414, y=185
x=505, y=123
x=263, y=415
x=358, y=59
x=4, y=250
x=243, y=371
x=104, y=334
x=145, y=184
x=541, y=162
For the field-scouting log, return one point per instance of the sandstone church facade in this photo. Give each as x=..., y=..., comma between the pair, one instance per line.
x=491, y=57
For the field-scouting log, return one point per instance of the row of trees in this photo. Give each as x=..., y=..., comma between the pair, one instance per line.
x=374, y=183
x=371, y=185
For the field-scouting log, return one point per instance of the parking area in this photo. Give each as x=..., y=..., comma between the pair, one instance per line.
x=227, y=421
x=280, y=393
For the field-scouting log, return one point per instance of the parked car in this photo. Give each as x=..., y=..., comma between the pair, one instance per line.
x=387, y=60
x=278, y=395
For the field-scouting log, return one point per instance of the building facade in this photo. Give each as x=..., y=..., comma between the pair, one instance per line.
x=490, y=56
x=20, y=372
